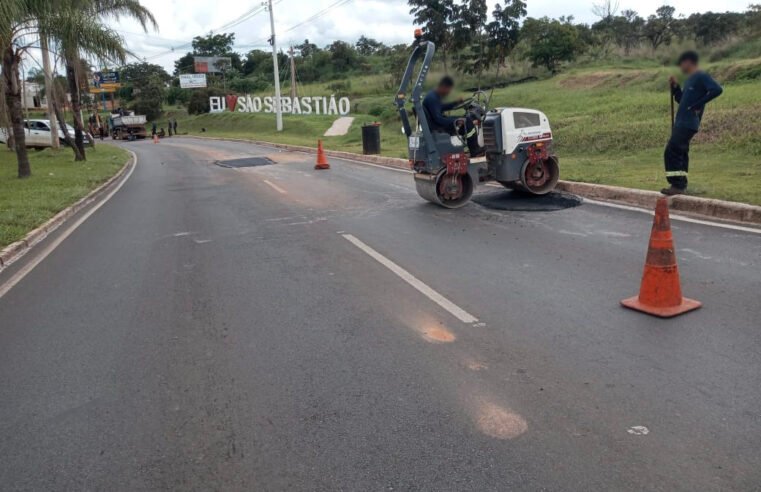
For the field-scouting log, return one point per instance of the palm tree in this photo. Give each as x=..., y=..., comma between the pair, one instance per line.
x=78, y=26
x=17, y=28
x=86, y=34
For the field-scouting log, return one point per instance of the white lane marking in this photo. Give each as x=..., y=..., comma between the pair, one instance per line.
x=431, y=294
x=638, y=430
x=275, y=187
x=681, y=218
x=26, y=269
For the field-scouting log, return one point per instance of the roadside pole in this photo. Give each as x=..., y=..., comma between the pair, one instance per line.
x=293, y=74
x=273, y=42
x=49, y=91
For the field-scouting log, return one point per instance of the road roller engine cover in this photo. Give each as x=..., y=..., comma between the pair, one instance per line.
x=517, y=142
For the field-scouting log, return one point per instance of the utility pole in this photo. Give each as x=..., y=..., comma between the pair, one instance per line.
x=49, y=94
x=273, y=42
x=294, y=95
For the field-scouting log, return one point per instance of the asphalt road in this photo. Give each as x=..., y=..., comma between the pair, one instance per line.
x=215, y=328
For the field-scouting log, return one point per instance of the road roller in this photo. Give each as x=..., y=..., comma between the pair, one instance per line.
x=517, y=143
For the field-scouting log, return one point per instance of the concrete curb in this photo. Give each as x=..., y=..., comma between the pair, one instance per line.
x=741, y=213
x=14, y=251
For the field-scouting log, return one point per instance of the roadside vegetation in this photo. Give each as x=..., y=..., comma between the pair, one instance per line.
x=56, y=184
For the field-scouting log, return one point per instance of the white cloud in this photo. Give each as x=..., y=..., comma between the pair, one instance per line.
x=385, y=20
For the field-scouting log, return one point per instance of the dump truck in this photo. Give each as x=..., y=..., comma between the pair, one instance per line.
x=127, y=127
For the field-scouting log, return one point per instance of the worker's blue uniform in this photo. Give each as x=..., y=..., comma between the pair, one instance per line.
x=699, y=90
x=438, y=121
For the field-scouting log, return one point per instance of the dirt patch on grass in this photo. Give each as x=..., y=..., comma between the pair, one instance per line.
x=607, y=78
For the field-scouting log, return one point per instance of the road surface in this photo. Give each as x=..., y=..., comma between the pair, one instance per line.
x=213, y=327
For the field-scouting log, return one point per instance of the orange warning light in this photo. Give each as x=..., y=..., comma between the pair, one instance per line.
x=418, y=33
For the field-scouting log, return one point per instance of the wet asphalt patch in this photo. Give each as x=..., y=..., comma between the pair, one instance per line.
x=516, y=201
x=246, y=162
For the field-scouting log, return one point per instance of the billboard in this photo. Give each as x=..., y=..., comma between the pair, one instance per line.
x=193, y=81
x=105, y=78
x=211, y=64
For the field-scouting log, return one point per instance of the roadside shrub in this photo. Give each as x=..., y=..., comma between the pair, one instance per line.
x=340, y=87
x=199, y=101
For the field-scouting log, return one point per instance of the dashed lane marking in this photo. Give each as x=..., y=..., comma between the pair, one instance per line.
x=419, y=285
x=275, y=187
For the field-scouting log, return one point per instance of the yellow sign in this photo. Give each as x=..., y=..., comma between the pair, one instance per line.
x=105, y=88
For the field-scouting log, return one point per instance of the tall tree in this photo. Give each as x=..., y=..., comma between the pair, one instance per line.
x=659, y=29
x=435, y=17
x=469, y=36
x=88, y=35
x=627, y=30
x=504, y=29
x=18, y=27
x=550, y=41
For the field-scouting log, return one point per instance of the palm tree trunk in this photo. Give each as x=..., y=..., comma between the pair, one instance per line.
x=45, y=52
x=11, y=61
x=76, y=108
x=65, y=130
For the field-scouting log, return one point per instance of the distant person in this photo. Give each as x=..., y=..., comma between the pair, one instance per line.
x=436, y=107
x=169, y=126
x=175, y=126
x=153, y=129
x=699, y=89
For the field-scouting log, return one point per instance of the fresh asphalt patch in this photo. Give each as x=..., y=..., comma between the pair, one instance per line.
x=246, y=162
x=517, y=201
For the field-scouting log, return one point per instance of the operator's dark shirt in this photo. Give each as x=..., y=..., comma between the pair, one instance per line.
x=435, y=108
x=698, y=91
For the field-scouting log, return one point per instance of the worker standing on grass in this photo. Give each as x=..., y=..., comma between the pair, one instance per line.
x=699, y=89
x=436, y=107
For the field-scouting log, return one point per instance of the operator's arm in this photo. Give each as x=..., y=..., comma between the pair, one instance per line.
x=712, y=88
x=449, y=106
x=436, y=111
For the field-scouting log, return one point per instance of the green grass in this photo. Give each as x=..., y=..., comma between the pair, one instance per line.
x=611, y=123
x=57, y=182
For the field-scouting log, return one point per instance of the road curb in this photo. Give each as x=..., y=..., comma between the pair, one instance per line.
x=14, y=251
x=710, y=208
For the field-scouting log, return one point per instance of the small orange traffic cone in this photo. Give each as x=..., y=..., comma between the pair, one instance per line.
x=661, y=291
x=322, y=160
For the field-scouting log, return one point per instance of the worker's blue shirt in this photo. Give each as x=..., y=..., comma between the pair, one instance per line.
x=435, y=108
x=699, y=90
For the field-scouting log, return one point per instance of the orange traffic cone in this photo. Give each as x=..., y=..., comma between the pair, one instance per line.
x=322, y=160
x=661, y=292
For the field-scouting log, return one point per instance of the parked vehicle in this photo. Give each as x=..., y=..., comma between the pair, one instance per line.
x=127, y=127
x=38, y=134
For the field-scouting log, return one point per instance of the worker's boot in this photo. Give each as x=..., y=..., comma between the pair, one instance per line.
x=674, y=191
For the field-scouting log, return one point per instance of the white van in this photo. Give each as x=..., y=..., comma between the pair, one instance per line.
x=38, y=134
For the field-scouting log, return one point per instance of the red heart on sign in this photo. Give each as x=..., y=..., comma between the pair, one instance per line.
x=232, y=101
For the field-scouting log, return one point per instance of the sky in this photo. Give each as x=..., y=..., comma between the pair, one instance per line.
x=385, y=20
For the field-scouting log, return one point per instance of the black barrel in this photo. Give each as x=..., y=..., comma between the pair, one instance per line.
x=371, y=140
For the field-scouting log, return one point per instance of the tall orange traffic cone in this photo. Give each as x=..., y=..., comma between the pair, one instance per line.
x=322, y=159
x=661, y=292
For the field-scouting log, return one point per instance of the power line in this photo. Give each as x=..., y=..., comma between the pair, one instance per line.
x=250, y=14
x=321, y=13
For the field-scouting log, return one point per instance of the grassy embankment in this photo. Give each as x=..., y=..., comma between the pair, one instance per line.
x=610, y=122
x=57, y=182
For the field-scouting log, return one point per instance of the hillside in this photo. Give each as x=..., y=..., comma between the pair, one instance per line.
x=611, y=123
